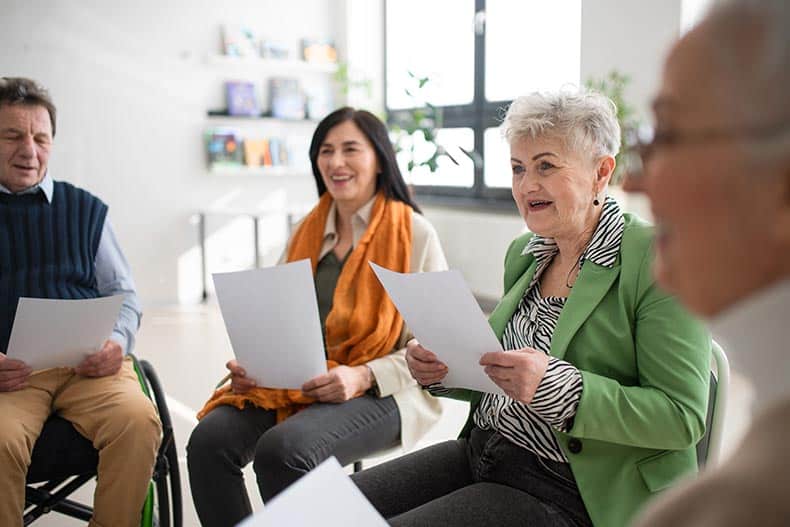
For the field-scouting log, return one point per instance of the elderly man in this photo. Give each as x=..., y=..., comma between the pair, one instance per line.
x=717, y=173
x=56, y=242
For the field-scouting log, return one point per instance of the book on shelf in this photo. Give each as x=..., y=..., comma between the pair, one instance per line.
x=265, y=151
x=320, y=100
x=257, y=153
x=240, y=98
x=273, y=49
x=239, y=41
x=223, y=148
x=318, y=50
x=287, y=98
x=279, y=151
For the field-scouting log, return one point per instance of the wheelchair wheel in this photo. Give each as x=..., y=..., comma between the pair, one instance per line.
x=166, y=479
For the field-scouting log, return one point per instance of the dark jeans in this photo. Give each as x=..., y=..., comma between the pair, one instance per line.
x=227, y=439
x=485, y=480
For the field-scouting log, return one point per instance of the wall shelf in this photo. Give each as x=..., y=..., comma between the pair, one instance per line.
x=259, y=172
x=276, y=66
x=222, y=115
x=292, y=135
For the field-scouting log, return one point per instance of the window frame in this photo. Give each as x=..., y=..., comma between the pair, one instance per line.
x=479, y=115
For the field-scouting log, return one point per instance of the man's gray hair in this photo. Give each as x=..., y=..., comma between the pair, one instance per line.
x=585, y=120
x=21, y=90
x=750, y=41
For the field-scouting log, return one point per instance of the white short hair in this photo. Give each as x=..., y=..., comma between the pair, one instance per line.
x=585, y=120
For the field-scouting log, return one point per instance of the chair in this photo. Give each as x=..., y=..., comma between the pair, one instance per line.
x=64, y=461
x=709, y=447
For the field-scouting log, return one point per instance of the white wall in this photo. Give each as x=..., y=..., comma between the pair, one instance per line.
x=632, y=37
x=132, y=87
x=475, y=244
x=362, y=46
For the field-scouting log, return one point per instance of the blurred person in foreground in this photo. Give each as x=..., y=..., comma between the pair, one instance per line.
x=717, y=173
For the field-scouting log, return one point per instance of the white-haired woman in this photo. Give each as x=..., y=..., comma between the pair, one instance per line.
x=605, y=376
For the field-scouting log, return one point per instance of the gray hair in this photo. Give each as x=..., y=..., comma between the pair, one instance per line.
x=750, y=41
x=20, y=90
x=585, y=120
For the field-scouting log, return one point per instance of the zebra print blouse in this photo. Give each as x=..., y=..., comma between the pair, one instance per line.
x=533, y=324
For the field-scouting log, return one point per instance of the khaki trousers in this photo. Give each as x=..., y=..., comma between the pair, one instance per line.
x=111, y=411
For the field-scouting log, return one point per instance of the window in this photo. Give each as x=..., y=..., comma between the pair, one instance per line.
x=478, y=55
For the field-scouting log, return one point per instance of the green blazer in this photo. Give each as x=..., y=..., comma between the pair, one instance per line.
x=645, y=365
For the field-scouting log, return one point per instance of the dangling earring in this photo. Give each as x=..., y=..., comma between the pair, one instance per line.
x=596, y=201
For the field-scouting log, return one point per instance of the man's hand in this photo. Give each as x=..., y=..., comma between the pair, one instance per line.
x=340, y=384
x=106, y=361
x=517, y=372
x=424, y=366
x=239, y=382
x=13, y=374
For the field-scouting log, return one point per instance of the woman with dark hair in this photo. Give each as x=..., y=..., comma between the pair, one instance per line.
x=388, y=179
x=367, y=401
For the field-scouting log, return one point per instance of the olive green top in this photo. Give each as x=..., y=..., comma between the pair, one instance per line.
x=327, y=273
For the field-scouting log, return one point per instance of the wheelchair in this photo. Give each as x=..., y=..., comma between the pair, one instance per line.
x=63, y=461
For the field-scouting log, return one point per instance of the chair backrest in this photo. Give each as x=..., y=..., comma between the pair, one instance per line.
x=709, y=447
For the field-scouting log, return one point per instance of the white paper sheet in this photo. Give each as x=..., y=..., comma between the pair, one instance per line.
x=443, y=314
x=326, y=496
x=272, y=320
x=50, y=333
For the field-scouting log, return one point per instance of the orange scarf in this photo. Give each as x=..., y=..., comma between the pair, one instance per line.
x=363, y=323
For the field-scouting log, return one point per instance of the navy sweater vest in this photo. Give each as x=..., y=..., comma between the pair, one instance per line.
x=47, y=250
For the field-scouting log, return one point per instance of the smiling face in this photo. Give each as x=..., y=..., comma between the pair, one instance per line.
x=348, y=165
x=25, y=142
x=554, y=189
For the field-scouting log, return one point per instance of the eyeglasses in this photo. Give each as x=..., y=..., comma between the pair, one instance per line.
x=642, y=143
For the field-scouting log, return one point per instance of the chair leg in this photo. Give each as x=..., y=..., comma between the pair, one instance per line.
x=74, y=509
x=45, y=501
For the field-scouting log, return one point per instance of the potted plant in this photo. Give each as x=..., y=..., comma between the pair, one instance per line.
x=613, y=85
x=414, y=131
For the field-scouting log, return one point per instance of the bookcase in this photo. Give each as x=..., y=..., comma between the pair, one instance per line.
x=272, y=140
x=249, y=211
